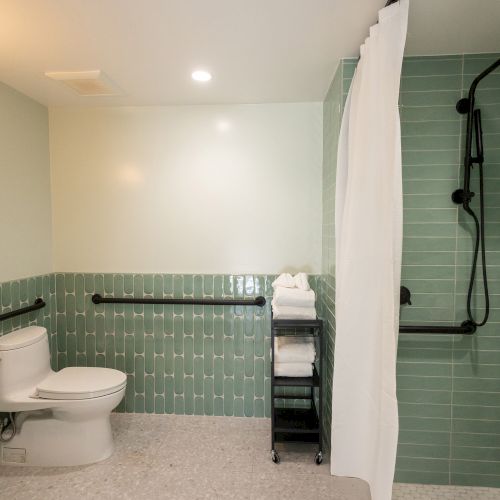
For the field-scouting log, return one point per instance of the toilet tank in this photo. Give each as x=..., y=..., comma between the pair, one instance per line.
x=24, y=361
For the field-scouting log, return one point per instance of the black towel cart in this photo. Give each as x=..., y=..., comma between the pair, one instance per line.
x=294, y=425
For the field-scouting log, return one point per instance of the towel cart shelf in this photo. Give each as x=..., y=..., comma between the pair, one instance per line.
x=298, y=425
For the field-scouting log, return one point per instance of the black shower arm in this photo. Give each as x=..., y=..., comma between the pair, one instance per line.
x=468, y=160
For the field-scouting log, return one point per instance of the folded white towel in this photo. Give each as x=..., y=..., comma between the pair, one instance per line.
x=294, y=350
x=288, y=312
x=301, y=281
x=293, y=297
x=284, y=280
x=293, y=369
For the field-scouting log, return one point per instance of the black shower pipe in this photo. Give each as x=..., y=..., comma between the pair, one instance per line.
x=469, y=102
x=38, y=304
x=257, y=301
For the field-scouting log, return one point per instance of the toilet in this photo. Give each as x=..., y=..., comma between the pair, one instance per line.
x=62, y=418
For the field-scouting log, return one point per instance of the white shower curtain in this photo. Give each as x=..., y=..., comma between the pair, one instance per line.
x=368, y=231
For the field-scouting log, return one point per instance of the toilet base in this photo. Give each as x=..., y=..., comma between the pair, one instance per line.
x=48, y=442
x=77, y=433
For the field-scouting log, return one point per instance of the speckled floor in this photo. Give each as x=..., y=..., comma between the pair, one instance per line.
x=183, y=457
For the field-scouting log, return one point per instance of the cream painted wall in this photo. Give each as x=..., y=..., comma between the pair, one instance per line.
x=187, y=189
x=26, y=233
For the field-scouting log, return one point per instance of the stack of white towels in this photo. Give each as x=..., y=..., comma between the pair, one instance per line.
x=294, y=356
x=293, y=297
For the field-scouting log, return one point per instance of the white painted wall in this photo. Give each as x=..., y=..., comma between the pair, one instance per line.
x=187, y=189
x=25, y=241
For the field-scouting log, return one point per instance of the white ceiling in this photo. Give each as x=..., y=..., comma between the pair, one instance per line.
x=258, y=50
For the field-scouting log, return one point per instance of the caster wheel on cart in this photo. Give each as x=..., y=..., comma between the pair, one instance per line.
x=318, y=458
x=275, y=457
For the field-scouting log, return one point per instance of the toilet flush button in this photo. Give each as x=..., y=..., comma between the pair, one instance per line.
x=14, y=455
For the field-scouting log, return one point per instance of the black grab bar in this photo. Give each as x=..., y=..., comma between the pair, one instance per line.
x=257, y=301
x=38, y=304
x=466, y=328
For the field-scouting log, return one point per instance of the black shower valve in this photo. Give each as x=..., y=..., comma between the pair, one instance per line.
x=404, y=296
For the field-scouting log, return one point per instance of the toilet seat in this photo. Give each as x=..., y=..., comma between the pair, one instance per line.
x=81, y=383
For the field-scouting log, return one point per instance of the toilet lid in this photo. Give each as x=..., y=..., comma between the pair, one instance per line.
x=81, y=383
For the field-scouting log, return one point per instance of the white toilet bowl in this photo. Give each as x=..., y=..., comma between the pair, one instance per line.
x=62, y=418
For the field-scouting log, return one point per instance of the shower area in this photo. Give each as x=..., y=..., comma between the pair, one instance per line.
x=448, y=365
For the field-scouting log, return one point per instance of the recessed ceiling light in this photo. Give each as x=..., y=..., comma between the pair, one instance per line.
x=201, y=76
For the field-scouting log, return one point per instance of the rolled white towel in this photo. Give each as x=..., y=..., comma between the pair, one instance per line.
x=294, y=349
x=293, y=369
x=284, y=280
x=287, y=312
x=301, y=281
x=293, y=297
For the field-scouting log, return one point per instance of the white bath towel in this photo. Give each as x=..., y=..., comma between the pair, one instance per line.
x=301, y=281
x=294, y=349
x=293, y=297
x=284, y=280
x=293, y=369
x=288, y=312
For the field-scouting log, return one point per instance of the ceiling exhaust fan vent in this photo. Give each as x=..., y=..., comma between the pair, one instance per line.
x=86, y=83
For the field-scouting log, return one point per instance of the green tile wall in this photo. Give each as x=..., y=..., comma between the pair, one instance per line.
x=204, y=360
x=331, y=128
x=448, y=386
x=23, y=292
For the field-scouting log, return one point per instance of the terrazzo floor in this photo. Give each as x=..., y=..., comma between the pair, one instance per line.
x=189, y=457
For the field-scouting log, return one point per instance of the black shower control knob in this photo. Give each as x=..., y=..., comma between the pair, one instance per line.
x=404, y=296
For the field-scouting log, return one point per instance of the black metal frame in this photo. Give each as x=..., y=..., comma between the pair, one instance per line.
x=38, y=304
x=298, y=433
x=256, y=301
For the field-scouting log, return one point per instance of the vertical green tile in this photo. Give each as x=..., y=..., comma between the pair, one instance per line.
x=188, y=395
x=208, y=357
x=239, y=346
x=178, y=335
x=139, y=333
x=239, y=375
x=139, y=374
x=168, y=343
x=198, y=405
x=110, y=351
x=160, y=404
x=149, y=353
x=228, y=357
x=198, y=375
x=149, y=394
x=129, y=353
x=249, y=357
x=188, y=355
x=159, y=374
x=179, y=405
x=208, y=396
x=218, y=336
x=238, y=407
x=179, y=374
x=99, y=336
x=228, y=396
x=119, y=334
x=198, y=335
x=158, y=334
x=218, y=376
x=249, y=397
x=169, y=394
